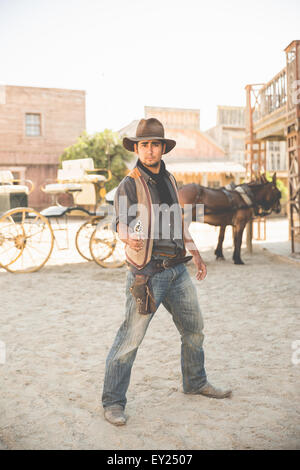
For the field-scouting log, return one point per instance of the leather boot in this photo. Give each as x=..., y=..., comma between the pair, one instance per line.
x=115, y=415
x=210, y=391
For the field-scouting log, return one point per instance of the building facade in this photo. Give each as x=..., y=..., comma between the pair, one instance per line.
x=183, y=125
x=276, y=157
x=215, y=157
x=230, y=134
x=197, y=157
x=36, y=125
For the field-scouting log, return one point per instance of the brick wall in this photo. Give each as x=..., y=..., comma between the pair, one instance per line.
x=62, y=121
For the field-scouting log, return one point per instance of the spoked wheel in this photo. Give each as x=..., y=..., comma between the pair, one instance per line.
x=106, y=248
x=83, y=236
x=26, y=240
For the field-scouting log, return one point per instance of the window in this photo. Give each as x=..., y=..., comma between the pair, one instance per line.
x=272, y=162
x=278, y=162
x=32, y=125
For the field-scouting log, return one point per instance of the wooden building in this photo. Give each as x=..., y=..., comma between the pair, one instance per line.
x=211, y=174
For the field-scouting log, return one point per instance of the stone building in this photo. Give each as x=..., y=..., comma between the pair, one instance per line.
x=36, y=125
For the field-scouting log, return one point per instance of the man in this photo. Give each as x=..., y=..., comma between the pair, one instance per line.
x=157, y=272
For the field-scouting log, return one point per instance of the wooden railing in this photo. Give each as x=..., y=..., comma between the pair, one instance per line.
x=271, y=96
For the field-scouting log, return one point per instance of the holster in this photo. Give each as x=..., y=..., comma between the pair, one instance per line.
x=142, y=291
x=141, y=288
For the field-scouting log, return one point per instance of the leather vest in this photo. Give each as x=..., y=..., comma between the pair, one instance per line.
x=145, y=215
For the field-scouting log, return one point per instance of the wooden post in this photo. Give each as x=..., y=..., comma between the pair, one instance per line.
x=249, y=159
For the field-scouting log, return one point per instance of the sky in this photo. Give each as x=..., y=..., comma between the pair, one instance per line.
x=127, y=54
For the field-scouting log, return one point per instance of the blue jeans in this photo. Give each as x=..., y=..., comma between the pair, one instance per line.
x=174, y=289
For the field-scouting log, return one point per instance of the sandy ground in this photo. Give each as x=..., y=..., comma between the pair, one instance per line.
x=58, y=324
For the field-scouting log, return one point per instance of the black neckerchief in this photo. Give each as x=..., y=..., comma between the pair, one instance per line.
x=161, y=184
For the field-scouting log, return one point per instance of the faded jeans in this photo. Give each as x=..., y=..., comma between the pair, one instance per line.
x=175, y=290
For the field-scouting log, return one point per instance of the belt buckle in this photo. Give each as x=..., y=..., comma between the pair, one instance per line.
x=165, y=263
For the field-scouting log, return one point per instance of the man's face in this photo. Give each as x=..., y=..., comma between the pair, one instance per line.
x=150, y=152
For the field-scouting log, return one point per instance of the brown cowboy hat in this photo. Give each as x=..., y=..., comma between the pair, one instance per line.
x=149, y=129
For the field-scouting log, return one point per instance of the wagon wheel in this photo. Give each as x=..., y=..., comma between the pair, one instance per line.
x=26, y=240
x=83, y=236
x=106, y=247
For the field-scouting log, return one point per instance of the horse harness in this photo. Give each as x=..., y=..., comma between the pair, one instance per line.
x=246, y=194
x=248, y=197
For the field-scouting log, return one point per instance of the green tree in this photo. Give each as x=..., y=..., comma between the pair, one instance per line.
x=107, y=151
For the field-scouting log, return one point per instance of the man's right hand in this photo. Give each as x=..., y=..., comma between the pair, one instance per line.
x=135, y=241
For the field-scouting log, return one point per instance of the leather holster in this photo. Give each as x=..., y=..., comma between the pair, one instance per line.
x=141, y=288
x=142, y=292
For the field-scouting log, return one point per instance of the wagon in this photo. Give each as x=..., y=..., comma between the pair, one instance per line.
x=27, y=236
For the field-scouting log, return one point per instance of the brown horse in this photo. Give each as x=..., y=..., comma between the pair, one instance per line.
x=235, y=206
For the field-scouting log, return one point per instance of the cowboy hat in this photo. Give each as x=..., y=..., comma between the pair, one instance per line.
x=149, y=129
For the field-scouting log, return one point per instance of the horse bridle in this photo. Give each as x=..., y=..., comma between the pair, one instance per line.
x=259, y=209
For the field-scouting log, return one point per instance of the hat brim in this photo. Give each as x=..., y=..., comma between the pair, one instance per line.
x=128, y=142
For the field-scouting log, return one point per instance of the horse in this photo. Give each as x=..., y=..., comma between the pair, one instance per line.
x=232, y=205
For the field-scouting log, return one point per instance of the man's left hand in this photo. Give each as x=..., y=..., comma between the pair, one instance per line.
x=201, y=268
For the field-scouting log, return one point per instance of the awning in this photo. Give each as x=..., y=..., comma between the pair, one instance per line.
x=205, y=167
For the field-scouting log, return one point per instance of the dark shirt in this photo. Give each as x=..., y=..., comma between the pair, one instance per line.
x=168, y=221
